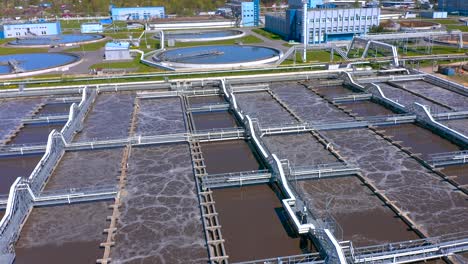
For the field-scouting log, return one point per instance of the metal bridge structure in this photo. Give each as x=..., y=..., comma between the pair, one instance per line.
x=449, y=158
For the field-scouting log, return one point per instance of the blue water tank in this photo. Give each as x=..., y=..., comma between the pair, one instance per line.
x=448, y=71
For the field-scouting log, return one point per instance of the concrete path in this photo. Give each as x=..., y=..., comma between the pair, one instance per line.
x=277, y=44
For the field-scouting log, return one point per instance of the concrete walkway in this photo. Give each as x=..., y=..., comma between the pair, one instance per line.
x=277, y=44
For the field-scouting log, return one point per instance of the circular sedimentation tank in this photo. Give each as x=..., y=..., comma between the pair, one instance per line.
x=217, y=56
x=203, y=35
x=56, y=40
x=417, y=25
x=452, y=40
x=31, y=63
x=409, y=25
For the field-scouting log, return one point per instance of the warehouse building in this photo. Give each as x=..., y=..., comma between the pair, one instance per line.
x=31, y=29
x=323, y=24
x=92, y=28
x=137, y=13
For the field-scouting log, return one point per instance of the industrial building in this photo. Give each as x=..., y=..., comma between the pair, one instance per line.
x=433, y=14
x=323, y=24
x=459, y=7
x=137, y=13
x=92, y=28
x=117, y=51
x=398, y=3
x=31, y=29
x=247, y=13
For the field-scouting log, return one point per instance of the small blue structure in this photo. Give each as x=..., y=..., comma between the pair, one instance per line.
x=105, y=21
x=248, y=14
x=256, y=13
x=117, y=51
x=137, y=13
x=31, y=29
x=92, y=28
x=246, y=11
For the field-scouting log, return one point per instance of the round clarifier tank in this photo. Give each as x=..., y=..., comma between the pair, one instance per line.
x=56, y=40
x=203, y=35
x=217, y=56
x=31, y=62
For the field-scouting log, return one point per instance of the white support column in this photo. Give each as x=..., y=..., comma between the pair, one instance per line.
x=304, y=29
x=460, y=42
x=161, y=33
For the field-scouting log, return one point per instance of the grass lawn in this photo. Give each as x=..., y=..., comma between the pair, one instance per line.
x=313, y=56
x=123, y=35
x=446, y=21
x=4, y=50
x=267, y=34
x=69, y=81
x=76, y=24
x=457, y=27
x=13, y=50
x=88, y=47
x=357, y=53
x=126, y=65
x=418, y=51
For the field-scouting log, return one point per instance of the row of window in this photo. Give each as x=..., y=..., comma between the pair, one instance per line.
x=340, y=18
x=22, y=28
x=18, y=34
x=341, y=29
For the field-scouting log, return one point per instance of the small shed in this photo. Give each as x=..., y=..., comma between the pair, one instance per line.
x=118, y=51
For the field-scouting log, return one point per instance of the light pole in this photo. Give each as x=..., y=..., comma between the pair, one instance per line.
x=304, y=29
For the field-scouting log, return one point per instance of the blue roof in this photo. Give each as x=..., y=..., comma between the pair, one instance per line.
x=117, y=45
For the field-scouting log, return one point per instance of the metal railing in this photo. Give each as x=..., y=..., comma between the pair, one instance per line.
x=17, y=208
x=176, y=93
x=250, y=88
x=54, y=151
x=209, y=108
x=74, y=195
x=322, y=171
x=313, y=258
x=235, y=179
x=413, y=250
x=450, y=115
x=45, y=119
x=352, y=98
x=449, y=158
x=68, y=196
x=77, y=114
